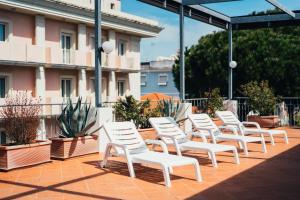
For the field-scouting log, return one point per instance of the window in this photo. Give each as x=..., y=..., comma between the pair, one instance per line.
x=162, y=79
x=122, y=48
x=92, y=42
x=3, y=86
x=143, y=80
x=2, y=137
x=66, y=87
x=2, y=32
x=121, y=88
x=112, y=6
x=66, y=40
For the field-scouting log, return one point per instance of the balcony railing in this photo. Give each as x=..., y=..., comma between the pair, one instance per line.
x=90, y=60
x=21, y=52
x=10, y=51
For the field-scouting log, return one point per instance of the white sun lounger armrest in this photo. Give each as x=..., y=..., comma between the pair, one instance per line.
x=158, y=142
x=195, y=133
x=252, y=123
x=174, y=139
x=234, y=130
x=123, y=147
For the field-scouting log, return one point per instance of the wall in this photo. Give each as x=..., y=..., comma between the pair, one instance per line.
x=21, y=34
x=22, y=78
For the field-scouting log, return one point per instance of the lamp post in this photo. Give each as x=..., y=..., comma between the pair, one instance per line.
x=232, y=63
x=106, y=47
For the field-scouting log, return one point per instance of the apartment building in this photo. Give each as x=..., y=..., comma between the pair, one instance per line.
x=47, y=47
x=157, y=77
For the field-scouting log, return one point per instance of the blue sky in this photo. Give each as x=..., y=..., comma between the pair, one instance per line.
x=167, y=43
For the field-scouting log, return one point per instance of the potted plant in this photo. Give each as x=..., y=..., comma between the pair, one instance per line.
x=20, y=117
x=213, y=104
x=75, y=137
x=262, y=103
x=130, y=109
x=174, y=109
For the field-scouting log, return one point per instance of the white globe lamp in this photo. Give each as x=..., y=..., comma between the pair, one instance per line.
x=107, y=47
x=233, y=64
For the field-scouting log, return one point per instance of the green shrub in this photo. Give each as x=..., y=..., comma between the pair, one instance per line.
x=129, y=108
x=214, y=102
x=261, y=97
x=76, y=121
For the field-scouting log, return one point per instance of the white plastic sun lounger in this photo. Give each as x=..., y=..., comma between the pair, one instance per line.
x=127, y=143
x=168, y=130
x=230, y=119
x=203, y=123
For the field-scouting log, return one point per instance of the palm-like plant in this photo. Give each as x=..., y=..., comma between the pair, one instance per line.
x=76, y=121
x=171, y=108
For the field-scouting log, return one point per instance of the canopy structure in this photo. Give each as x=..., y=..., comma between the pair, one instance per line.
x=198, y=10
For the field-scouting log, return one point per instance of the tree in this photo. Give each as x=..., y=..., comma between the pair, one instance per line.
x=271, y=54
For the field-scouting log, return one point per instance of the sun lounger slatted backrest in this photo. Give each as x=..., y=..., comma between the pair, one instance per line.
x=228, y=117
x=204, y=121
x=125, y=133
x=167, y=126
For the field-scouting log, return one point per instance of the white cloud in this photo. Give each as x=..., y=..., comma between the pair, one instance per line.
x=167, y=43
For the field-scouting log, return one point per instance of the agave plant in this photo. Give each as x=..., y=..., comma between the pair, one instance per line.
x=76, y=121
x=171, y=108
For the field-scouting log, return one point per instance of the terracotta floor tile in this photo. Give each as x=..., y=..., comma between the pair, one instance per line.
x=274, y=175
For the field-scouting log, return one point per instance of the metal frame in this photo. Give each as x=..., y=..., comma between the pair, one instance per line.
x=98, y=68
x=194, y=9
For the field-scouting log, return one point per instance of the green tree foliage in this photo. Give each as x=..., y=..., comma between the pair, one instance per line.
x=265, y=54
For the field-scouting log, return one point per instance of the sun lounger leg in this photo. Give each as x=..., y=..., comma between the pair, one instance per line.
x=166, y=176
x=245, y=148
x=263, y=144
x=272, y=140
x=213, y=158
x=197, y=172
x=286, y=138
x=106, y=155
x=171, y=170
x=130, y=168
x=236, y=156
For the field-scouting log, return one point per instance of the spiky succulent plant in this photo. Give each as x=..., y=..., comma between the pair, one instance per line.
x=76, y=121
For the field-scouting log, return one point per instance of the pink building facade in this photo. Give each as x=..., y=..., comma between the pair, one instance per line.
x=47, y=47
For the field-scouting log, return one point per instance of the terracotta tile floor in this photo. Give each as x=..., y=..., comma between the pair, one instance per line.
x=275, y=175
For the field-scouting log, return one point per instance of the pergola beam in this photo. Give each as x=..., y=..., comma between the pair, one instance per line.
x=195, y=12
x=264, y=18
x=281, y=7
x=197, y=2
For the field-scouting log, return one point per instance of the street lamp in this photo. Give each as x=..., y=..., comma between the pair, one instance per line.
x=233, y=64
x=107, y=47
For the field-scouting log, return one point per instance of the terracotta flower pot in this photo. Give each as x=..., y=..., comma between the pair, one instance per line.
x=265, y=121
x=217, y=121
x=63, y=148
x=148, y=133
x=17, y=156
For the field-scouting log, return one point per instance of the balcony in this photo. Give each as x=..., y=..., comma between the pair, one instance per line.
x=21, y=52
x=89, y=4
x=90, y=59
x=66, y=57
x=26, y=53
x=125, y=62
